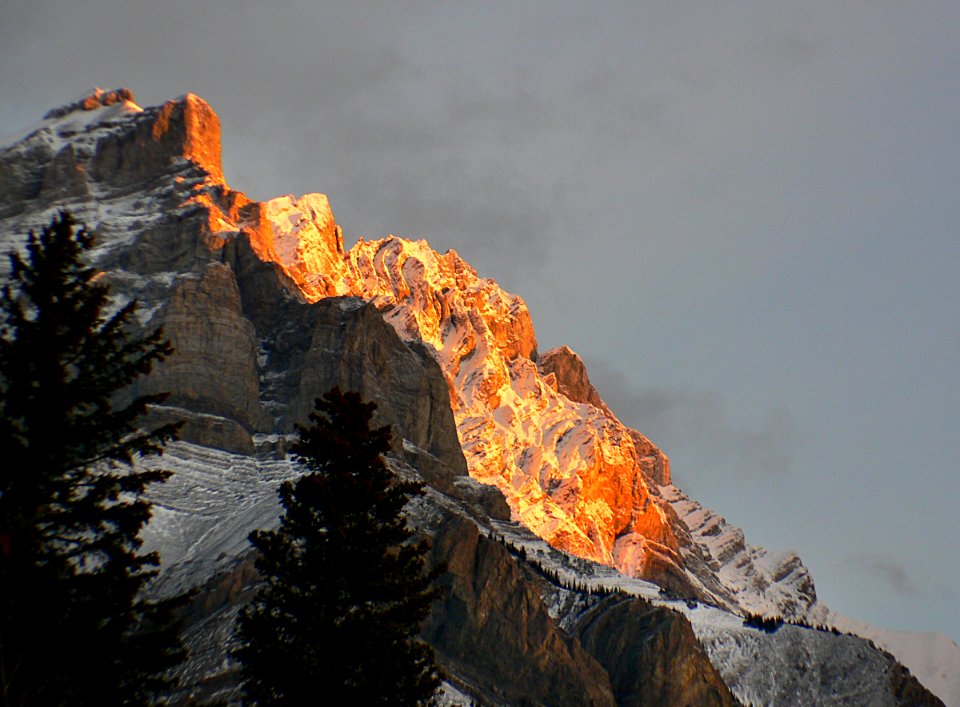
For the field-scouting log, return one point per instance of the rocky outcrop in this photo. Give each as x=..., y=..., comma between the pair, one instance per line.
x=570, y=375
x=208, y=430
x=907, y=690
x=492, y=630
x=303, y=238
x=751, y=578
x=214, y=367
x=108, y=143
x=564, y=371
x=347, y=343
x=651, y=655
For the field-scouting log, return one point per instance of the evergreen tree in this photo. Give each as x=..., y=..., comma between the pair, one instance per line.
x=345, y=588
x=74, y=625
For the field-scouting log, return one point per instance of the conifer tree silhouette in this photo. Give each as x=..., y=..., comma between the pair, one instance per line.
x=345, y=589
x=75, y=627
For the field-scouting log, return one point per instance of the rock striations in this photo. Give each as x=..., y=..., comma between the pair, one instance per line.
x=267, y=309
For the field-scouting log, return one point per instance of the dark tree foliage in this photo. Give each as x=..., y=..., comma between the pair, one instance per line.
x=74, y=626
x=346, y=589
x=768, y=624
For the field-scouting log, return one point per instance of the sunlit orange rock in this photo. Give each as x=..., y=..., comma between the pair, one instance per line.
x=529, y=423
x=568, y=468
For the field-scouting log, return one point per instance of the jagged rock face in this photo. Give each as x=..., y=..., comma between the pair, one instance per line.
x=350, y=345
x=907, y=690
x=651, y=655
x=174, y=235
x=492, y=629
x=205, y=264
x=569, y=470
x=564, y=367
x=203, y=319
x=108, y=147
x=301, y=236
x=743, y=575
x=571, y=377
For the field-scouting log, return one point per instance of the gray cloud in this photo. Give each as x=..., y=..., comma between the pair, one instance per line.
x=893, y=574
x=696, y=424
x=477, y=130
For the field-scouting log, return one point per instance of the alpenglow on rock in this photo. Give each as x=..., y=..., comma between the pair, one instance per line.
x=219, y=272
x=267, y=308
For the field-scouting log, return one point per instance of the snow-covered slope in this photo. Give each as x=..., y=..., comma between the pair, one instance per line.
x=933, y=657
x=756, y=580
x=204, y=513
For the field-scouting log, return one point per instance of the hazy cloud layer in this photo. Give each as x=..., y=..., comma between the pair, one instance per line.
x=894, y=574
x=697, y=425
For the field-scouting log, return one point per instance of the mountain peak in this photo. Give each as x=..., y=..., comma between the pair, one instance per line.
x=192, y=129
x=103, y=146
x=97, y=98
x=265, y=308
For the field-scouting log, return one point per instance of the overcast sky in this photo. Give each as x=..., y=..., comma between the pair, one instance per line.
x=744, y=216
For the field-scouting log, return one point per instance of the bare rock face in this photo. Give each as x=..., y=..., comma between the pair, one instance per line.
x=492, y=629
x=214, y=366
x=907, y=690
x=651, y=655
x=207, y=430
x=107, y=142
x=188, y=128
x=571, y=376
x=348, y=344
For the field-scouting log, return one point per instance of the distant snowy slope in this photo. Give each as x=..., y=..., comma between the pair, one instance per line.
x=932, y=657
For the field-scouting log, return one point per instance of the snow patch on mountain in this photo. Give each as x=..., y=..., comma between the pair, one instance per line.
x=74, y=122
x=792, y=665
x=752, y=578
x=204, y=512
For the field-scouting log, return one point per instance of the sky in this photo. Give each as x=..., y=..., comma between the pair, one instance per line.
x=743, y=216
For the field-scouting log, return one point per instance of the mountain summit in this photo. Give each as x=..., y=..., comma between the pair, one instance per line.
x=267, y=309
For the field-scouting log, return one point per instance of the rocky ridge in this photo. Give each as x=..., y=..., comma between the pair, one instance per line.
x=266, y=309
x=212, y=277
x=531, y=425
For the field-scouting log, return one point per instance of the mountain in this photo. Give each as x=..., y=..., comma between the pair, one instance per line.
x=578, y=573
